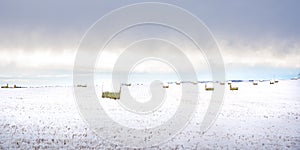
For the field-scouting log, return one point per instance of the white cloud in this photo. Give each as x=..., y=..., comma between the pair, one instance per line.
x=275, y=54
x=36, y=60
x=278, y=54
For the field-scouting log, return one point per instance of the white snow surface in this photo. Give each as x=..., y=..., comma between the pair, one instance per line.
x=254, y=117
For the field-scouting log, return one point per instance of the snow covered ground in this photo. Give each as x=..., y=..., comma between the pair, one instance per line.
x=261, y=116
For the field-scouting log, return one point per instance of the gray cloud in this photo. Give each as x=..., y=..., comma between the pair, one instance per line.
x=253, y=33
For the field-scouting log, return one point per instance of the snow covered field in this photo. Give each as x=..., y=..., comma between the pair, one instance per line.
x=261, y=116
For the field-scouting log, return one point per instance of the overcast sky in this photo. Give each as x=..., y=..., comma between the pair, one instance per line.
x=40, y=38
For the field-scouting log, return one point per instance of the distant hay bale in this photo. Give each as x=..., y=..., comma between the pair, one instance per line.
x=209, y=87
x=233, y=88
x=255, y=82
x=194, y=82
x=127, y=84
x=165, y=85
x=6, y=86
x=111, y=95
x=79, y=85
x=222, y=83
